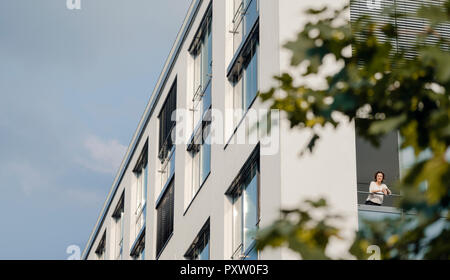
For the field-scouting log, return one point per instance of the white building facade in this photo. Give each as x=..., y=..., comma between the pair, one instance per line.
x=203, y=198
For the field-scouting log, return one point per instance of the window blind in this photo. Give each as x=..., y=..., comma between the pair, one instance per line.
x=165, y=213
x=408, y=27
x=166, y=123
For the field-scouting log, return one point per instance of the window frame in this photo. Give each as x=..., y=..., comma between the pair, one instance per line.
x=141, y=175
x=202, y=38
x=162, y=201
x=118, y=216
x=237, y=74
x=236, y=193
x=253, y=58
x=166, y=124
x=101, y=248
x=138, y=247
x=199, y=243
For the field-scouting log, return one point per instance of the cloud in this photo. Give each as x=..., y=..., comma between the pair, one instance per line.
x=27, y=177
x=103, y=156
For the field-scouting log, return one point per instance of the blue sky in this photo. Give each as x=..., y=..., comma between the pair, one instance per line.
x=73, y=86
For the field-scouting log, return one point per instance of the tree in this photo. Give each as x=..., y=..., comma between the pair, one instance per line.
x=386, y=89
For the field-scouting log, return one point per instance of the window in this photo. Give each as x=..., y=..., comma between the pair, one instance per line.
x=101, y=248
x=138, y=248
x=245, y=15
x=200, y=150
x=407, y=25
x=166, y=124
x=407, y=159
x=250, y=77
x=243, y=75
x=199, y=249
x=166, y=147
x=244, y=194
x=141, y=173
x=118, y=218
x=201, y=51
x=165, y=211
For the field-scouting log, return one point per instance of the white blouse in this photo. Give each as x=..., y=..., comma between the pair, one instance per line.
x=378, y=196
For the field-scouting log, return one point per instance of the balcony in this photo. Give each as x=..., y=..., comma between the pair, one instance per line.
x=385, y=158
x=394, y=163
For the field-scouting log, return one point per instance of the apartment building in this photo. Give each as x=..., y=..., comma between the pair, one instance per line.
x=203, y=199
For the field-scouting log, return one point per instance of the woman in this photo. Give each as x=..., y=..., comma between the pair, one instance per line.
x=377, y=190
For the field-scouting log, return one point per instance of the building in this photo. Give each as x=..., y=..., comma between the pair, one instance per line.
x=201, y=200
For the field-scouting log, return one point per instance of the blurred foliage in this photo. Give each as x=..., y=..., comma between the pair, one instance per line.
x=386, y=89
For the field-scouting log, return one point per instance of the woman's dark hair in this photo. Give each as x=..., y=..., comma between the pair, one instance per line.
x=376, y=173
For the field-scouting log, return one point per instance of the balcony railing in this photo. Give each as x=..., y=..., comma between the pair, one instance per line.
x=390, y=200
x=239, y=254
x=243, y=20
x=237, y=17
x=167, y=167
x=140, y=217
x=166, y=146
x=202, y=101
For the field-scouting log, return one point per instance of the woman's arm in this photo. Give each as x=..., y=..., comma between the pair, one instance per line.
x=386, y=190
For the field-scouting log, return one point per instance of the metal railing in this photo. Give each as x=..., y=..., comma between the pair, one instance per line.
x=240, y=254
x=140, y=217
x=380, y=193
x=166, y=146
x=389, y=200
x=237, y=17
x=202, y=99
x=167, y=167
x=242, y=21
x=198, y=94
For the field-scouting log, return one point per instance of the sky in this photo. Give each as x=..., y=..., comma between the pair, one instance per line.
x=73, y=87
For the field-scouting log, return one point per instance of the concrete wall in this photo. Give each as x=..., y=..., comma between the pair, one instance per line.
x=330, y=172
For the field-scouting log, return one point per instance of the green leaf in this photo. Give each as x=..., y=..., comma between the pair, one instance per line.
x=387, y=125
